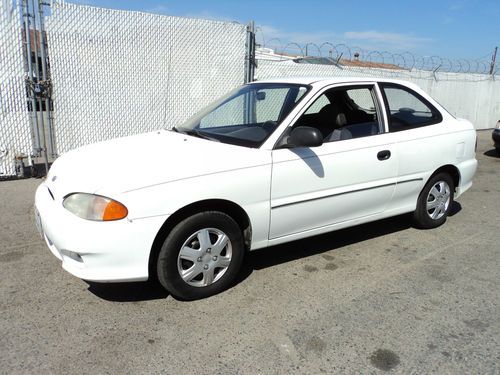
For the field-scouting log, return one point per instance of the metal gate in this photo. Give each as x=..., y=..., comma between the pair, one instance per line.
x=15, y=132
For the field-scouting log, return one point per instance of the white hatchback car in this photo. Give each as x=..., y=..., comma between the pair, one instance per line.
x=271, y=162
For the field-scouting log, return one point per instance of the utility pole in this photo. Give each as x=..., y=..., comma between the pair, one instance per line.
x=250, y=53
x=493, y=61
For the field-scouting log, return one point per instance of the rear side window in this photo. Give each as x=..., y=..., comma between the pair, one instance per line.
x=362, y=99
x=407, y=109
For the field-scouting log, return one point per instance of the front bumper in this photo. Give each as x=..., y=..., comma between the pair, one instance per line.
x=93, y=250
x=496, y=137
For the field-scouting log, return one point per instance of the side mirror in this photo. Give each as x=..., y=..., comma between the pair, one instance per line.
x=304, y=136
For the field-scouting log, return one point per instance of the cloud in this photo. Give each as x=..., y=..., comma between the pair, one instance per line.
x=84, y=2
x=447, y=20
x=266, y=34
x=386, y=40
x=458, y=5
x=455, y=8
x=452, y=10
x=369, y=40
x=207, y=15
x=158, y=9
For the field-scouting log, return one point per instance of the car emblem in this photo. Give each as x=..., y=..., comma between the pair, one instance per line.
x=54, y=178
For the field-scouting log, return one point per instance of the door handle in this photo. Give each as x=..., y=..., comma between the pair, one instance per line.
x=384, y=155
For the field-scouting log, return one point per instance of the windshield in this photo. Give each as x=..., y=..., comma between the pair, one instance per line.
x=247, y=116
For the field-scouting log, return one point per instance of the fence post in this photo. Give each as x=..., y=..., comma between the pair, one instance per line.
x=493, y=62
x=47, y=83
x=34, y=117
x=250, y=53
x=37, y=83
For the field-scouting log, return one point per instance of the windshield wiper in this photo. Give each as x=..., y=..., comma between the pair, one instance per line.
x=197, y=133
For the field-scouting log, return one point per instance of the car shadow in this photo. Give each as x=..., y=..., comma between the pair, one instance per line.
x=268, y=257
x=279, y=254
x=309, y=157
x=128, y=292
x=492, y=153
x=455, y=208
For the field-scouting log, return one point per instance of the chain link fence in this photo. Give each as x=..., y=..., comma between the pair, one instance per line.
x=77, y=74
x=117, y=73
x=15, y=128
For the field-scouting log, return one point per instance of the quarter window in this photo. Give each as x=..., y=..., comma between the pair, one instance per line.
x=408, y=110
x=318, y=104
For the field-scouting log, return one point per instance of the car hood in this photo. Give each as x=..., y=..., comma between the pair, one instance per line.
x=124, y=164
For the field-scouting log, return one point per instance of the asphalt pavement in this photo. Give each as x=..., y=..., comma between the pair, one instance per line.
x=377, y=298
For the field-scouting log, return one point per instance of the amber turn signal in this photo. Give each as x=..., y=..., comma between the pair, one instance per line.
x=114, y=211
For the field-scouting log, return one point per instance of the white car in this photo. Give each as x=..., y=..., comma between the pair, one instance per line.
x=271, y=162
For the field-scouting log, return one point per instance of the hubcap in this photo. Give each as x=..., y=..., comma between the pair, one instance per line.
x=438, y=200
x=204, y=257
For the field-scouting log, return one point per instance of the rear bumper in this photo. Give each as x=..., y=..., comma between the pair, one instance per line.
x=467, y=171
x=96, y=251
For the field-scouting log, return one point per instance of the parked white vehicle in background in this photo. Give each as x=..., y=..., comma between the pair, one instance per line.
x=271, y=162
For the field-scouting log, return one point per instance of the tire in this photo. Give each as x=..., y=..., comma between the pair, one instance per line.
x=497, y=149
x=201, y=256
x=434, y=202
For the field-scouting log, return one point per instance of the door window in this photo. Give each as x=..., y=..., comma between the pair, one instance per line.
x=408, y=110
x=343, y=113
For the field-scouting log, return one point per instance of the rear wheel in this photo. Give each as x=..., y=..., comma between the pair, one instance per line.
x=201, y=256
x=435, y=201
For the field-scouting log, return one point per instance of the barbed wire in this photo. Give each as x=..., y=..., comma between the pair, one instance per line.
x=403, y=60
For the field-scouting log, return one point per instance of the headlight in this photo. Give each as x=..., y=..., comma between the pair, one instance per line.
x=94, y=207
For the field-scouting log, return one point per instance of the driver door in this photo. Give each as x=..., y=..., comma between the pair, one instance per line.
x=340, y=181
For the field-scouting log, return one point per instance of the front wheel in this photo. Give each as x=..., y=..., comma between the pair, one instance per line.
x=201, y=256
x=435, y=202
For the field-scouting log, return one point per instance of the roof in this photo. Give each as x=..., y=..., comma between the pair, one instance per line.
x=34, y=39
x=320, y=82
x=345, y=62
x=370, y=64
x=263, y=53
x=329, y=80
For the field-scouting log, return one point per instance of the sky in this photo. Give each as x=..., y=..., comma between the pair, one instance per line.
x=453, y=29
